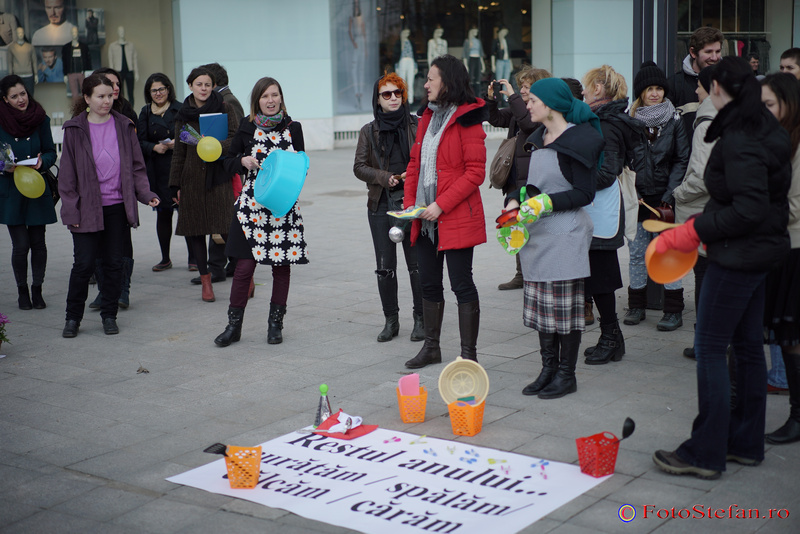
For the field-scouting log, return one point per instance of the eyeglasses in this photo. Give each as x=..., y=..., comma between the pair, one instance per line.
x=386, y=95
x=159, y=90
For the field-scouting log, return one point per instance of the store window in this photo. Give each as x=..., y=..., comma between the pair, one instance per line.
x=403, y=36
x=745, y=25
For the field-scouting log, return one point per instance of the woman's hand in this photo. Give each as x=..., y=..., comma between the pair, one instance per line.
x=161, y=148
x=38, y=162
x=393, y=180
x=507, y=89
x=10, y=168
x=177, y=198
x=170, y=145
x=512, y=204
x=154, y=202
x=431, y=213
x=250, y=163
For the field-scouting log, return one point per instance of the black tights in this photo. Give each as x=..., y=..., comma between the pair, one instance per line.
x=198, y=249
x=164, y=233
x=24, y=239
x=607, y=306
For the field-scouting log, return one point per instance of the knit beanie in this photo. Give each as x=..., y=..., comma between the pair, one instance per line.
x=649, y=74
x=705, y=77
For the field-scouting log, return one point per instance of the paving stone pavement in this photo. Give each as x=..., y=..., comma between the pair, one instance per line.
x=86, y=442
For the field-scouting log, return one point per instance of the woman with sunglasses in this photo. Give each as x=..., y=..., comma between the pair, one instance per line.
x=384, y=148
x=446, y=169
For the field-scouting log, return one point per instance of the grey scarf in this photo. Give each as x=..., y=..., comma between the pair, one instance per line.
x=427, y=183
x=656, y=116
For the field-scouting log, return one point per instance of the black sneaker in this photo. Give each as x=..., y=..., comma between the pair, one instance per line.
x=671, y=463
x=689, y=353
x=110, y=326
x=634, y=316
x=70, y=328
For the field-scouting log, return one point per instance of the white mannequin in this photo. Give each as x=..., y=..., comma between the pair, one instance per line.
x=407, y=66
x=501, y=36
x=472, y=35
x=436, y=46
x=23, y=61
x=501, y=60
x=115, y=61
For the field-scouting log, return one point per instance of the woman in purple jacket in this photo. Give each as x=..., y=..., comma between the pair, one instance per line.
x=101, y=177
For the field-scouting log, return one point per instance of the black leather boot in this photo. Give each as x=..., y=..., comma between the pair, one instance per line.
x=274, y=332
x=390, y=329
x=432, y=312
x=564, y=382
x=610, y=346
x=548, y=346
x=36, y=296
x=790, y=431
x=24, y=299
x=418, y=333
x=125, y=294
x=233, y=332
x=469, y=316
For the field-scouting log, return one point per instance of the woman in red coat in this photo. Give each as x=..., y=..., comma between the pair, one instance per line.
x=448, y=165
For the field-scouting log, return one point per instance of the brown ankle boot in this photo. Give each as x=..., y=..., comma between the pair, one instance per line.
x=208, y=291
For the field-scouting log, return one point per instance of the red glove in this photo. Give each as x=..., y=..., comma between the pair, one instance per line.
x=684, y=238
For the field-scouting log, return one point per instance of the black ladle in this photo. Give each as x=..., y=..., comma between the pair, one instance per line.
x=627, y=429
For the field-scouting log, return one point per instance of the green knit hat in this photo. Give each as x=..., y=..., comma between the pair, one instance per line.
x=555, y=94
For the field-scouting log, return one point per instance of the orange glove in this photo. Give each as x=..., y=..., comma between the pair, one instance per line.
x=684, y=238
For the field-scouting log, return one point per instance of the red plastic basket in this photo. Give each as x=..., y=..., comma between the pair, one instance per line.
x=598, y=454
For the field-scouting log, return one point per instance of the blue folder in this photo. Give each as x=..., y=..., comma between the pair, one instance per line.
x=214, y=125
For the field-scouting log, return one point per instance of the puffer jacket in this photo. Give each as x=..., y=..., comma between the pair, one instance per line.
x=661, y=164
x=460, y=169
x=369, y=166
x=744, y=223
x=620, y=131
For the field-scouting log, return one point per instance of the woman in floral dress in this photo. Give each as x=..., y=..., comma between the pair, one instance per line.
x=256, y=235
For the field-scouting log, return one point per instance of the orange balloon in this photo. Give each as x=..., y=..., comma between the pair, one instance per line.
x=670, y=266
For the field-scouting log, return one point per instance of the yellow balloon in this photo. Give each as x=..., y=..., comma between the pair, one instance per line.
x=209, y=149
x=29, y=182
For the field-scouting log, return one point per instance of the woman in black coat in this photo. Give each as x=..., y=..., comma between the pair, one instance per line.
x=660, y=158
x=605, y=91
x=156, y=131
x=517, y=119
x=744, y=227
x=382, y=155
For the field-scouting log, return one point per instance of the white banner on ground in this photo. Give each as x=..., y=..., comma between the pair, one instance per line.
x=391, y=481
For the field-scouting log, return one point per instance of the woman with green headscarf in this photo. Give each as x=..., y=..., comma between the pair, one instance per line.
x=566, y=152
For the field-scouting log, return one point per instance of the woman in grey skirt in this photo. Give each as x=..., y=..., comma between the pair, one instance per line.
x=555, y=260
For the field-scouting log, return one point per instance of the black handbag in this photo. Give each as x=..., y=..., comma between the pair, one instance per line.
x=52, y=182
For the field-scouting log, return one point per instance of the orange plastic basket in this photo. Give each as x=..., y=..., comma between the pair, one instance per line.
x=466, y=420
x=244, y=465
x=412, y=407
x=598, y=454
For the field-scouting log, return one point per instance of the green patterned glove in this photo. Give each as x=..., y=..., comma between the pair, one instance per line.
x=532, y=209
